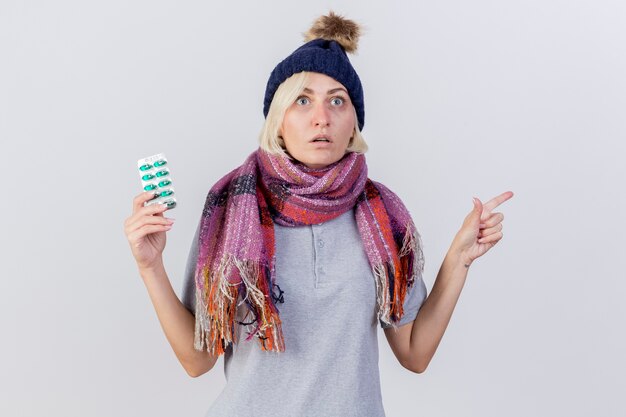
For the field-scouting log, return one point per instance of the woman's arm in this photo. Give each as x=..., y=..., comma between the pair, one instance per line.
x=415, y=343
x=177, y=322
x=146, y=232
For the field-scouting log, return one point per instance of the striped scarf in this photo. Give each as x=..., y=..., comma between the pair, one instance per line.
x=236, y=242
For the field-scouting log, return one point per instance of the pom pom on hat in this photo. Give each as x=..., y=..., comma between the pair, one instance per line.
x=324, y=52
x=335, y=28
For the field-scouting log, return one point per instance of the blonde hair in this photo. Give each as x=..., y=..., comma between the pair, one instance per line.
x=286, y=94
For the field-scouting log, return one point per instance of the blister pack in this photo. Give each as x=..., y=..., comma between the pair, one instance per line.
x=155, y=176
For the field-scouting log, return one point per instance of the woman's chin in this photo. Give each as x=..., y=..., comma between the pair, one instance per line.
x=319, y=163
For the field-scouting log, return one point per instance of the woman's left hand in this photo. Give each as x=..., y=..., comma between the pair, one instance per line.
x=481, y=230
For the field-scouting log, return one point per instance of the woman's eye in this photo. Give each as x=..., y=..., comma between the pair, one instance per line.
x=336, y=101
x=302, y=100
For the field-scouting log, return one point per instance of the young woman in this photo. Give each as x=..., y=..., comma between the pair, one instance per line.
x=298, y=255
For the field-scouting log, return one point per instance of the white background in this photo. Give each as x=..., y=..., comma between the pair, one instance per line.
x=462, y=99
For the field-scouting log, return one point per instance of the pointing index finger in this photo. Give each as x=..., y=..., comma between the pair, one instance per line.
x=496, y=201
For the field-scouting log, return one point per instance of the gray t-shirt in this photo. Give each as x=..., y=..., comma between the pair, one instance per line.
x=330, y=363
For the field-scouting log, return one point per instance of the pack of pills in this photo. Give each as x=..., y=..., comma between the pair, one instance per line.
x=155, y=176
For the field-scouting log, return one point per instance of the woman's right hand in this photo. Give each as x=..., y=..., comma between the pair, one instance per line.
x=145, y=230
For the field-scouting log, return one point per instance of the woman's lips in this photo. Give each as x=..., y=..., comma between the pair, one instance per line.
x=321, y=139
x=321, y=145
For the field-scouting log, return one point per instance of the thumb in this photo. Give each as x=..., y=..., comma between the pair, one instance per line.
x=474, y=216
x=478, y=205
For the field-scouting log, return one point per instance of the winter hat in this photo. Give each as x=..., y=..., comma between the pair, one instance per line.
x=325, y=49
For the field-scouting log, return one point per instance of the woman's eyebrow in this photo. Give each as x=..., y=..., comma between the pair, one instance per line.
x=333, y=91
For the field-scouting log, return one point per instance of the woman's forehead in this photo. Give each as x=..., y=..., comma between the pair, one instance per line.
x=322, y=83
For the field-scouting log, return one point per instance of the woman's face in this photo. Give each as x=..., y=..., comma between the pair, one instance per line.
x=318, y=126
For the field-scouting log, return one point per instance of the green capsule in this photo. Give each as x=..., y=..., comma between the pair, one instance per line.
x=165, y=183
x=149, y=187
x=145, y=167
x=162, y=173
x=166, y=193
x=147, y=177
x=160, y=163
x=169, y=203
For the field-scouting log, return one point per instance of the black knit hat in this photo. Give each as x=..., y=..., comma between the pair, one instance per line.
x=331, y=37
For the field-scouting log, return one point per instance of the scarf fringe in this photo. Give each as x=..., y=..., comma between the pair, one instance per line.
x=411, y=265
x=215, y=321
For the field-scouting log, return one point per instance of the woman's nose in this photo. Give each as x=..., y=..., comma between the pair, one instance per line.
x=321, y=115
